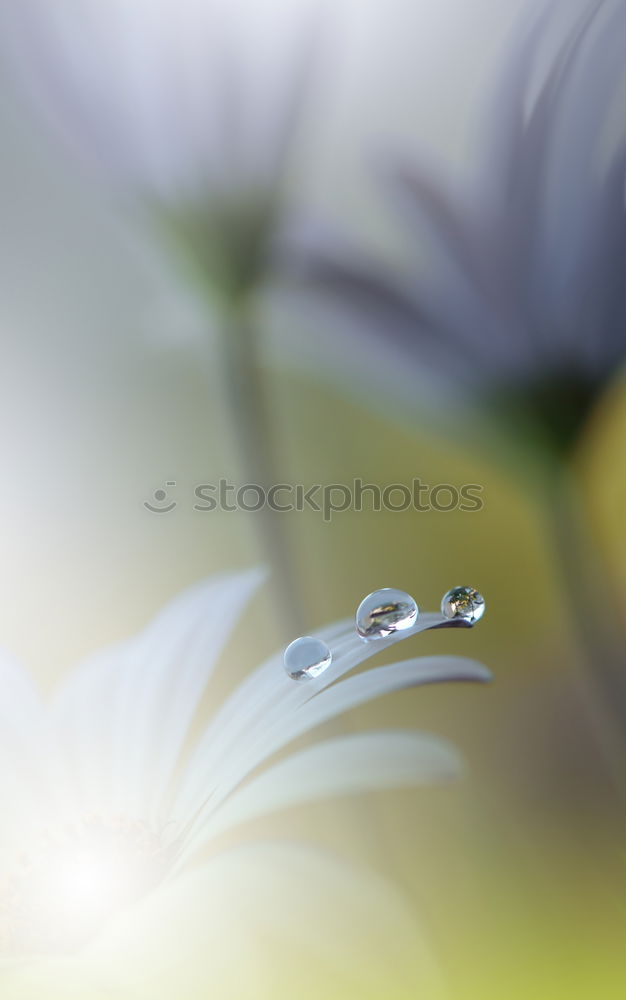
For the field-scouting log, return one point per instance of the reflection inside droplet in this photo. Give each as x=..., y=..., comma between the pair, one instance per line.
x=463, y=604
x=306, y=658
x=384, y=612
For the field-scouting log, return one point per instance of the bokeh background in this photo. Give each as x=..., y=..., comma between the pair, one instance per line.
x=112, y=385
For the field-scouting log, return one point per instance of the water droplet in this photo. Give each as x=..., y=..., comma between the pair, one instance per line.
x=384, y=612
x=307, y=657
x=463, y=604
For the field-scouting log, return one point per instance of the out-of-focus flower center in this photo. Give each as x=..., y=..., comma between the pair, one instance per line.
x=60, y=893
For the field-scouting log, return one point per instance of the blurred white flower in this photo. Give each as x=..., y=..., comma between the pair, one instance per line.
x=192, y=109
x=191, y=105
x=517, y=293
x=103, y=809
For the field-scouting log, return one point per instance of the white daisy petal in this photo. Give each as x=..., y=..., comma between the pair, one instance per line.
x=26, y=750
x=180, y=651
x=347, y=765
x=163, y=97
x=338, y=699
x=133, y=705
x=85, y=713
x=364, y=687
x=341, y=698
x=252, y=700
x=21, y=714
x=110, y=743
x=269, y=696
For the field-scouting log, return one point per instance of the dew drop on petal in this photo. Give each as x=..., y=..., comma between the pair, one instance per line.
x=384, y=612
x=463, y=604
x=307, y=657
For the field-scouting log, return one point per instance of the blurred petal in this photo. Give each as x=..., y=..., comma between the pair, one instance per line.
x=516, y=293
x=164, y=97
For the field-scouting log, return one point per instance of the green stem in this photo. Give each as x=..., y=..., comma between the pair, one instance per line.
x=220, y=256
x=243, y=376
x=588, y=592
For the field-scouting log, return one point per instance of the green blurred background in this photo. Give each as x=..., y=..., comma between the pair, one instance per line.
x=110, y=388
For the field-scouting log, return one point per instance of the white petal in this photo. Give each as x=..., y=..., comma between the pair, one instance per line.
x=266, y=698
x=123, y=716
x=340, y=698
x=252, y=701
x=28, y=761
x=164, y=96
x=358, y=690
x=344, y=766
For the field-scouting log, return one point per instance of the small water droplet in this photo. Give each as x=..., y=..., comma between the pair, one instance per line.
x=384, y=612
x=463, y=604
x=307, y=657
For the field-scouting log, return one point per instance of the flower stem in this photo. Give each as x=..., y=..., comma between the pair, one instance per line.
x=219, y=258
x=252, y=425
x=587, y=590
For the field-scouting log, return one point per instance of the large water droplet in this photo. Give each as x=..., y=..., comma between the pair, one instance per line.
x=384, y=612
x=463, y=604
x=307, y=657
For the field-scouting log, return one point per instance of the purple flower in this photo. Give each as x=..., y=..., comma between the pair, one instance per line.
x=517, y=294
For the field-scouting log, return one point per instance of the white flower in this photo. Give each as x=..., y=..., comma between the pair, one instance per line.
x=515, y=292
x=169, y=96
x=104, y=814
x=190, y=105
